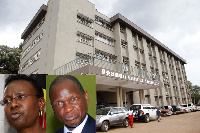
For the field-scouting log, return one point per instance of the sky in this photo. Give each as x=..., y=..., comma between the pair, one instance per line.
x=175, y=23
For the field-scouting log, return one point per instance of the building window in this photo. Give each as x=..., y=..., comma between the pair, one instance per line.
x=34, y=43
x=126, y=63
x=34, y=30
x=141, y=51
x=154, y=58
x=102, y=55
x=137, y=64
x=103, y=38
x=140, y=38
x=24, y=66
x=83, y=58
x=35, y=72
x=36, y=40
x=26, y=40
x=135, y=47
x=34, y=58
x=102, y=22
x=85, y=20
x=133, y=34
x=122, y=28
x=30, y=61
x=26, y=51
x=84, y=38
x=38, y=26
x=150, y=56
x=123, y=44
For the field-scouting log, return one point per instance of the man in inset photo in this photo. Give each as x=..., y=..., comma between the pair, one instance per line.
x=70, y=102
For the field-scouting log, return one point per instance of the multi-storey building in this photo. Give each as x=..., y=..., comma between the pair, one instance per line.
x=131, y=66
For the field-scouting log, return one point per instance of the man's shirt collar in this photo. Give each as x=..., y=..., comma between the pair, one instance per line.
x=79, y=128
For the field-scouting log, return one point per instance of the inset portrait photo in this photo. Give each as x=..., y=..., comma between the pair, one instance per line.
x=23, y=102
x=71, y=103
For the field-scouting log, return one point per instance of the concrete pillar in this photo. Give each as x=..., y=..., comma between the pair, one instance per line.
x=136, y=97
x=118, y=48
x=125, y=99
x=121, y=98
x=118, y=96
x=141, y=93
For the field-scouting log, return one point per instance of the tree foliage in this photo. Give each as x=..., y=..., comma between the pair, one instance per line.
x=195, y=92
x=9, y=60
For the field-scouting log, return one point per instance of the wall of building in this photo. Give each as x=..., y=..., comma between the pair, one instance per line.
x=60, y=44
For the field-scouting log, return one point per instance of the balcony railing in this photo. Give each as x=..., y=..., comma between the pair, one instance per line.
x=107, y=64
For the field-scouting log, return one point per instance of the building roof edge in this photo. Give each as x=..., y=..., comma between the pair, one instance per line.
x=36, y=19
x=120, y=18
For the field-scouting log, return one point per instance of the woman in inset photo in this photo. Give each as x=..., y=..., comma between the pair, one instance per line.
x=23, y=102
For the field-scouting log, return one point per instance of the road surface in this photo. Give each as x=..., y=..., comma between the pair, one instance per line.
x=181, y=123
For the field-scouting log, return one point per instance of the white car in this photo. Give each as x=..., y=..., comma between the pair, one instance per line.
x=144, y=111
x=192, y=106
x=186, y=108
x=198, y=108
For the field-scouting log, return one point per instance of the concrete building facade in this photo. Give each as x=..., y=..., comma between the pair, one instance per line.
x=131, y=66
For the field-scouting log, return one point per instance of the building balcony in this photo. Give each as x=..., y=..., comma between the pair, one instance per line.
x=112, y=65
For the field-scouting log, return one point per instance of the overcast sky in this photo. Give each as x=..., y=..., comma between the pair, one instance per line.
x=175, y=23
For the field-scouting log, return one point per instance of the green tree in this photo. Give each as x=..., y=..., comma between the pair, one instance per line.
x=9, y=60
x=195, y=92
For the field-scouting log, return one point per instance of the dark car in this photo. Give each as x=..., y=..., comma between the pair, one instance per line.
x=177, y=109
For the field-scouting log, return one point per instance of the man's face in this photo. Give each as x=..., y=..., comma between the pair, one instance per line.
x=69, y=103
x=23, y=111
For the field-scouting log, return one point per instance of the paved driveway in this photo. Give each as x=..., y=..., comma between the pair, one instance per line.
x=182, y=123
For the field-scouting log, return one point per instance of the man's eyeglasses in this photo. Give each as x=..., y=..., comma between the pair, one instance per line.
x=18, y=98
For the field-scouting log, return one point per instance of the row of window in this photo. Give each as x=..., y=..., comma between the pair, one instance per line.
x=102, y=22
x=34, y=30
x=85, y=20
x=136, y=48
x=30, y=61
x=84, y=38
x=89, y=40
x=83, y=58
x=89, y=22
x=35, y=72
x=34, y=43
x=99, y=54
x=103, y=38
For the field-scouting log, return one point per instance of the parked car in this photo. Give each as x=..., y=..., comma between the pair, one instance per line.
x=166, y=110
x=99, y=106
x=143, y=111
x=109, y=116
x=186, y=108
x=177, y=109
x=125, y=109
x=192, y=106
x=198, y=108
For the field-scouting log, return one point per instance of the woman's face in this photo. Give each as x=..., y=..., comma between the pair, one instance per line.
x=22, y=104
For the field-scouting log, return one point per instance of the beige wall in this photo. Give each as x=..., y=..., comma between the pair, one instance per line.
x=59, y=46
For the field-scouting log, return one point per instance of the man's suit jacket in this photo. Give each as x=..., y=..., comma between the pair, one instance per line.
x=89, y=127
